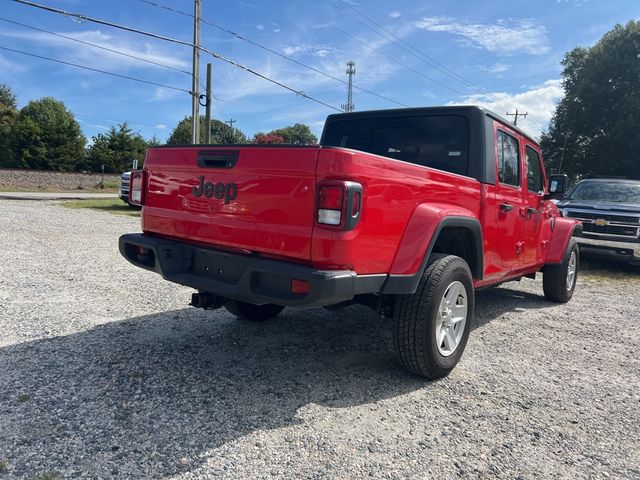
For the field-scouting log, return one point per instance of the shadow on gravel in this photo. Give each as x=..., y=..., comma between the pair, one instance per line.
x=494, y=302
x=150, y=396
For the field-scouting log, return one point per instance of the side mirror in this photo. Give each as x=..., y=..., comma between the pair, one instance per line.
x=557, y=186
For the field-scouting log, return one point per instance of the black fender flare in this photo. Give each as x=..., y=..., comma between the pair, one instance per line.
x=397, y=284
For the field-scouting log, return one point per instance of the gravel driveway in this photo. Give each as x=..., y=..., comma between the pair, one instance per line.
x=105, y=372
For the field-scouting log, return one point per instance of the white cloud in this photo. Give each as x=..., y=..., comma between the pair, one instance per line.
x=315, y=50
x=506, y=37
x=92, y=56
x=161, y=126
x=290, y=51
x=496, y=68
x=260, y=27
x=160, y=94
x=538, y=102
x=577, y=3
x=11, y=66
x=395, y=14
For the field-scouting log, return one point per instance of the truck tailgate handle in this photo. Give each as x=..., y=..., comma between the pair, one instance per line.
x=218, y=159
x=505, y=207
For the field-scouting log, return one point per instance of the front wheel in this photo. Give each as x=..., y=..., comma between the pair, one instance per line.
x=431, y=327
x=253, y=313
x=559, y=281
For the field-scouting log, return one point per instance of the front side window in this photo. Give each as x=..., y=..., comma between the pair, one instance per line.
x=534, y=171
x=508, y=159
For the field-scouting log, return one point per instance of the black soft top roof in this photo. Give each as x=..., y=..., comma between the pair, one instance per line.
x=444, y=110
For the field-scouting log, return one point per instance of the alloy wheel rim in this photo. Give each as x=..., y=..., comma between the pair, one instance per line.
x=572, y=269
x=452, y=318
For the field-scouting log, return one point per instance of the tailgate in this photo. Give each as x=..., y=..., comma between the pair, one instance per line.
x=259, y=199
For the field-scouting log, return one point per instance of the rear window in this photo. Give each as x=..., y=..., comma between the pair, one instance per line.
x=436, y=141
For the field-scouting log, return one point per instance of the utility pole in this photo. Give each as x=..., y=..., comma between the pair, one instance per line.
x=230, y=122
x=195, y=76
x=516, y=115
x=207, y=122
x=351, y=71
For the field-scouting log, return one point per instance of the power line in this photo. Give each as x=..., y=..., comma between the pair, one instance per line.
x=118, y=52
x=120, y=122
x=426, y=58
x=179, y=42
x=270, y=50
x=126, y=77
x=420, y=55
x=96, y=70
x=379, y=52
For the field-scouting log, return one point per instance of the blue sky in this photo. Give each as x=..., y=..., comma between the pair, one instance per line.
x=503, y=55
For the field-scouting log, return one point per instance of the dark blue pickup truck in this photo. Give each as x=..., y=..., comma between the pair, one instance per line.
x=610, y=213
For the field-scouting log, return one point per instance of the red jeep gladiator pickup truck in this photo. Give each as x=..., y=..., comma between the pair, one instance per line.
x=408, y=211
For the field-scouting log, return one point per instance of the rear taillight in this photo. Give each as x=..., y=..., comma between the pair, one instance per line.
x=338, y=204
x=330, y=204
x=137, y=187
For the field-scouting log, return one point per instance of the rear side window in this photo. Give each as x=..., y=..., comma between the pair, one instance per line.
x=436, y=141
x=508, y=159
x=534, y=171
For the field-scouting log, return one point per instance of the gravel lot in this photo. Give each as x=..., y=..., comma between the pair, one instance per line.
x=106, y=372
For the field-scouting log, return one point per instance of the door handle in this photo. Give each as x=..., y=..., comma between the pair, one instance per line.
x=531, y=210
x=505, y=207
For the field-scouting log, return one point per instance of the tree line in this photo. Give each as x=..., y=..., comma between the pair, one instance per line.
x=595, y=130
x=44, y=135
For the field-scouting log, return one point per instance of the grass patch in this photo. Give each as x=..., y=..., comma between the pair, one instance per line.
x=606, y=271
x=111, y=205
x=111, y=185
x=4, y=465
x=48, y=476
x=23, y=398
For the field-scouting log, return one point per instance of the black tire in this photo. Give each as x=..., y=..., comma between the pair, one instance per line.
x=253, y=313
x=556, y=284
x=416, y=318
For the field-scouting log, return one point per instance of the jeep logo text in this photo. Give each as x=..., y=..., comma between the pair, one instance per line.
x=228, y=191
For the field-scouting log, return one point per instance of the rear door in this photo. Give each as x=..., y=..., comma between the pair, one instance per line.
x=256, y=199
x=510, y=200
x=534, y=220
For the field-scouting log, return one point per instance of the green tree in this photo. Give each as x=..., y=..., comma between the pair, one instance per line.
x=220, y=133
x=298, y=134
x=116, y=150
x=153, y=142
x=594, y=130
x=8, y=114
x=45, y=136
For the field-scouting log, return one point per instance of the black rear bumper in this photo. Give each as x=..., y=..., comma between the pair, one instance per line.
x=244, y=277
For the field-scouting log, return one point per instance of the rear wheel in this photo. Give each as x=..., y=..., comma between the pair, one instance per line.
x=431, y=327
x=253, y=313
x=559, y=281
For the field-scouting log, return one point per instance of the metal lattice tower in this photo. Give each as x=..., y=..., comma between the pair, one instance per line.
x=351, y=71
